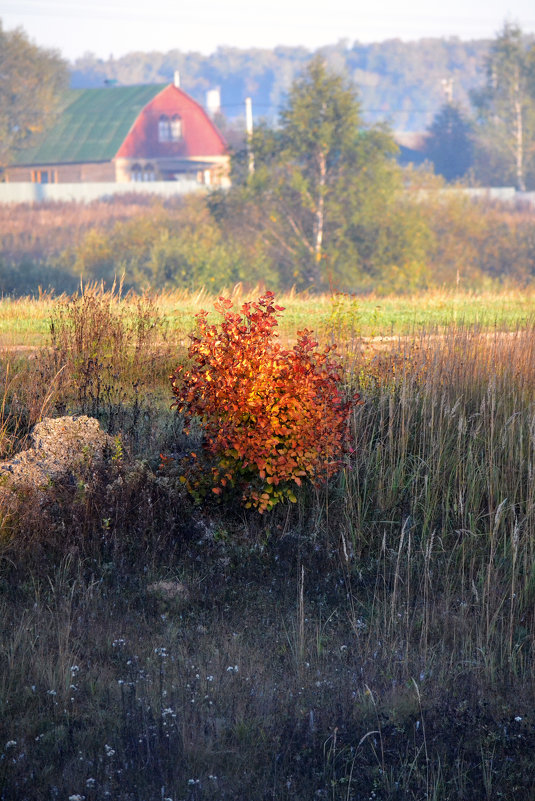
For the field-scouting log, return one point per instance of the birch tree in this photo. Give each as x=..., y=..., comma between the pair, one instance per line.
x=506, y=105
x=324, y=199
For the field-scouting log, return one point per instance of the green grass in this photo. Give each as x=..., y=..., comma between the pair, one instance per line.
x=24, y=322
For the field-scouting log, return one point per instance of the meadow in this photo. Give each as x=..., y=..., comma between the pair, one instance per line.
x=373, y=640
x=24, y=322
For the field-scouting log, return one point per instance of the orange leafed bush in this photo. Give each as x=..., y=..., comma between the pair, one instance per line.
x=271, y=417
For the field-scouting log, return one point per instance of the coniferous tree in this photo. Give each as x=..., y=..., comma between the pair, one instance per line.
x=450, y=143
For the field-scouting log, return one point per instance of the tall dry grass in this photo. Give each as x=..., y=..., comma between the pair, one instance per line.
x=442, y=493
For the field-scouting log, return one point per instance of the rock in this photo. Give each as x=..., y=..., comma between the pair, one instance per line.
x=62, y=449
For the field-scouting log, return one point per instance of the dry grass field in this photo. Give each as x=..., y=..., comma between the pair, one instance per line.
x=374, y=640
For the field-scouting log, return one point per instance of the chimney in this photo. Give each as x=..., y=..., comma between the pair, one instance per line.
x=177, y=79
x=213, y=101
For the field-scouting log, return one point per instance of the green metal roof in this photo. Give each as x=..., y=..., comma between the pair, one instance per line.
x=92, y=127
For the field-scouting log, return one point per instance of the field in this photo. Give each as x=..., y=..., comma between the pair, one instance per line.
x=373, y=640
x=24, y=322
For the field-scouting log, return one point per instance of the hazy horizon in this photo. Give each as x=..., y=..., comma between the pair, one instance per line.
x=119, y=27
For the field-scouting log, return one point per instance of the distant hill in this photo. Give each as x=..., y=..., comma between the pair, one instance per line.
x=399, y=82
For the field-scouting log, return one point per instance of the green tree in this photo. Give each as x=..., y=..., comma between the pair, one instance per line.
x=32, y=81
x=450, y=144
x=165, y=249
x=324, y=198
x=506, y=105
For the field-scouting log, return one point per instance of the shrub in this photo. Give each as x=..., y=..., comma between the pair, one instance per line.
x=102, y=340
x=270, y=417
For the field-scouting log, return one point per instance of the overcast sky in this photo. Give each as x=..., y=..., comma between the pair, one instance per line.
x=116, y=27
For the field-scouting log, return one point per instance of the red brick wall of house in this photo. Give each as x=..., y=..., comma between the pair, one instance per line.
x=200, y=137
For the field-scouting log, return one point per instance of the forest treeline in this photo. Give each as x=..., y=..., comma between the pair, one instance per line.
x=398, y=82
x=473, y=103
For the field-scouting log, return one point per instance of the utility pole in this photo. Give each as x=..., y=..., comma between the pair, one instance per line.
x=249, y=132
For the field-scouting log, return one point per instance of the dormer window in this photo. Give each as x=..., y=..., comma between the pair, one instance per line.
x=169, y=130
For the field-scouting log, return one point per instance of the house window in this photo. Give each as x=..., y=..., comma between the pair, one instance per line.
x=176, y=128
x=169, y=130
x=142, y=172
x=44, y=177
x=164, y=131
x=204, y=177
x=148, y=173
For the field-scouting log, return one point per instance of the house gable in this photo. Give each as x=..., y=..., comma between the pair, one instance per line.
x=191, y=133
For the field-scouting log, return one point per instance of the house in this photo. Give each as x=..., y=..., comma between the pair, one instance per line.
x=123, y=134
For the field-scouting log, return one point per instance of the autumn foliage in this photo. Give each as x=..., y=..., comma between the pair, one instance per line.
x=271, y=417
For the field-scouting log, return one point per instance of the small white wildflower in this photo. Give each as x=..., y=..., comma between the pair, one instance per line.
x=194, y=781
x=161, y=652
x=119, y=642
x=51, y=692
x=76, y=797
x=109, y=750
x=74, y=669
x=10, y=744
x=90, y=783
x=213, y=778
x=209, y=678
x=518, y=718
